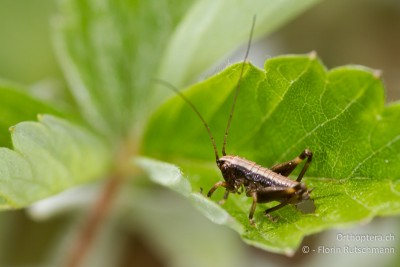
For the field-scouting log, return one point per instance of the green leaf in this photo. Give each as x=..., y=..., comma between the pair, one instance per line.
x=295, y=103
x=17, y=106
x=49, y=156
x=108, y=50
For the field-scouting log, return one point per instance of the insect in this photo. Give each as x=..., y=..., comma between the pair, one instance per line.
x=260, y=183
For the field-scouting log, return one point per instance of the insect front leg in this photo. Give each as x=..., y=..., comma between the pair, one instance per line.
x=286, y=168
x=218, y=184
x=222, y=201
x=253, y=207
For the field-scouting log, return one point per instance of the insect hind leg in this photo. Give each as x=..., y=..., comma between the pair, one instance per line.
x=286, y=168
x=267, y=212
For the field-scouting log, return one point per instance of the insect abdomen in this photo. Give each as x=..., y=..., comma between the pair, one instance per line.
x=257, y=173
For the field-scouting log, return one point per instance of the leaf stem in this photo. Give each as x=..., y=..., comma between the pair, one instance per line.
x=84, y=241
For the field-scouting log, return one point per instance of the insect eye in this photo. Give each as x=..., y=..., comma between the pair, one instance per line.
x=221, y=164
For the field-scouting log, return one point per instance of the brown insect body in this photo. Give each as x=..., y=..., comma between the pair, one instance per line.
x=233, y=167
x=263, y=184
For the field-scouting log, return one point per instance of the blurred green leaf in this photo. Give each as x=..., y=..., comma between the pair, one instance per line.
x=212, y=29
x=49, y=156
x=291, y=105
x=109, y=50
x=17, y=106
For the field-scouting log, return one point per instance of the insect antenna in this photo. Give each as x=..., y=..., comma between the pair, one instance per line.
x=238, y=86
x=173, y=88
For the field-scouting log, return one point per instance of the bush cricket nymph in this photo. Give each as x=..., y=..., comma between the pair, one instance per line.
x=260, y=183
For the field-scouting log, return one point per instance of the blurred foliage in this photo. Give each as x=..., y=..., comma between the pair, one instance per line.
x=26, y=52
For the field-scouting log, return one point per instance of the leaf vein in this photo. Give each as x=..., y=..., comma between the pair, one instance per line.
x=320, y=125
